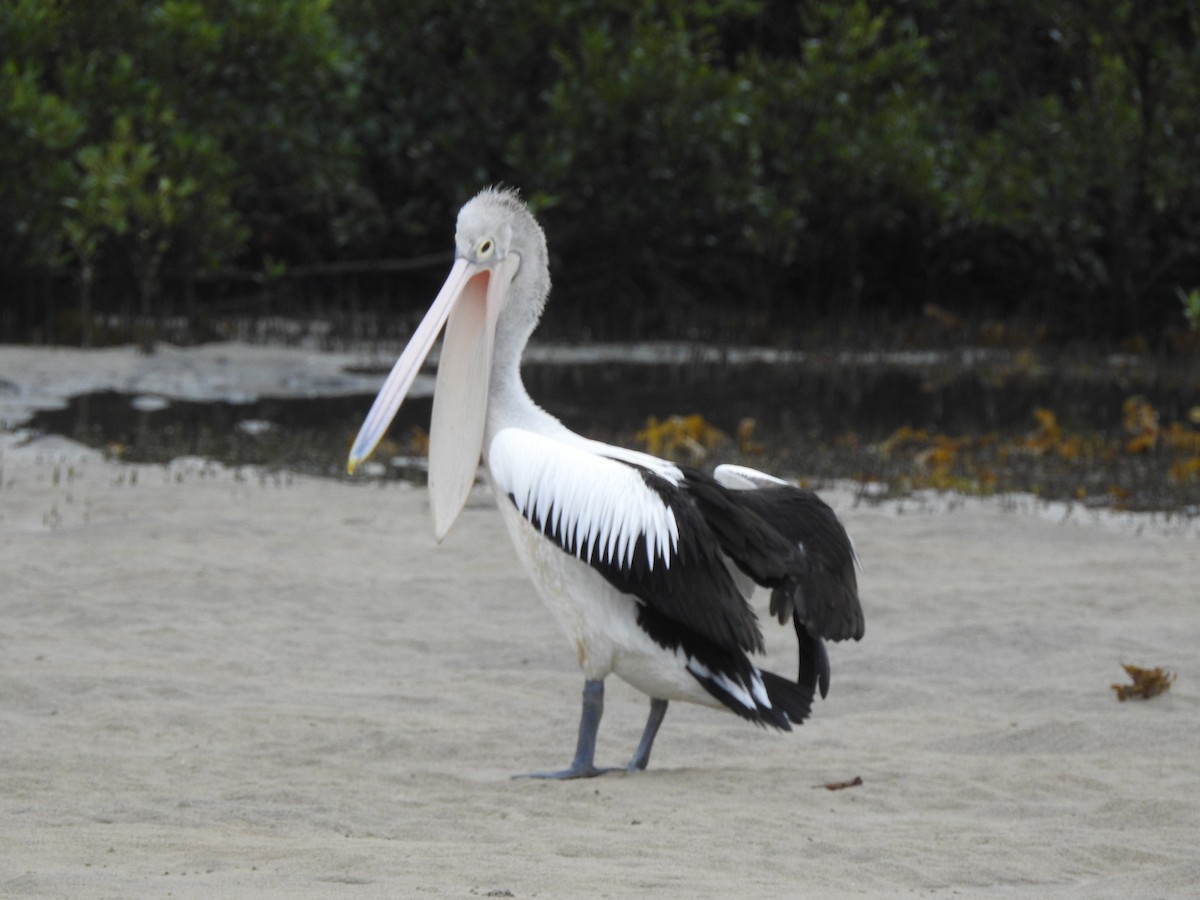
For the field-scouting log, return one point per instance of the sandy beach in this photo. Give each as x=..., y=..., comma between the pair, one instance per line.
x=224, y=682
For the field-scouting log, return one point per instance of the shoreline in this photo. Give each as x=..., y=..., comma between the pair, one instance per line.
x=1086, y=470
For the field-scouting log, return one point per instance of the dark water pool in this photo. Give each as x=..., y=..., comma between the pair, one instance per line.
x=816, y=419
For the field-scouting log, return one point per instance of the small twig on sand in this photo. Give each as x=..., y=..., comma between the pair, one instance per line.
x=840, y=785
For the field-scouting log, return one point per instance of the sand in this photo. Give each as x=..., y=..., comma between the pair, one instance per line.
x=219, y=683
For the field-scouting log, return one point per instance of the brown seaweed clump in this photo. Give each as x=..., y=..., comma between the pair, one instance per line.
x=1147, y=683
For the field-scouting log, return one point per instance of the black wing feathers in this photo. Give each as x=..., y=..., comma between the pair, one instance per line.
x=753, y=542
x=791, y=541
x=823, y=593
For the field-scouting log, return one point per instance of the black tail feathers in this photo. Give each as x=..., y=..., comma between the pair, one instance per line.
x=814, y=661
x=795, y=698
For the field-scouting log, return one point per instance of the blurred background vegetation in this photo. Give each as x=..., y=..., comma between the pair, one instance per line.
x=742, y=170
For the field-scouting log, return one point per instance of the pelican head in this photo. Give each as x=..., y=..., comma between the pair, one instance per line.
x=492, y=298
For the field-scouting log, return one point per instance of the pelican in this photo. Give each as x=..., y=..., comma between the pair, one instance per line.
x=647, y=566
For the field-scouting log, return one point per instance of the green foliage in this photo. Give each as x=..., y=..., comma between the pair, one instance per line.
x=850, y=150
x=757, y=160
x=151, y=132
x=38, y=131
x=1190, y=301
x=110, y=176
x=1075, y=130
x=448, y=92
x=645, y=155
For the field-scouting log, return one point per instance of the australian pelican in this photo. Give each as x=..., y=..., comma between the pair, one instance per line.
x=647, y=566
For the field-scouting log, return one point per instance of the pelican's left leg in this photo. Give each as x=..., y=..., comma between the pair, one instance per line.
x=641, y=756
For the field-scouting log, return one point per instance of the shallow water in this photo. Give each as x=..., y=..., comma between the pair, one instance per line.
x=808, y=411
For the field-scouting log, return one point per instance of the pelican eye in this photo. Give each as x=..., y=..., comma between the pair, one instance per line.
x=485, y=249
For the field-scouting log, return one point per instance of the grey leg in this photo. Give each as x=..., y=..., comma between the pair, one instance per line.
x=641, y=756
x=583, y=766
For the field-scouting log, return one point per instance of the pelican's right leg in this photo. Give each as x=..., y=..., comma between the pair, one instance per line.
x=583, y=766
